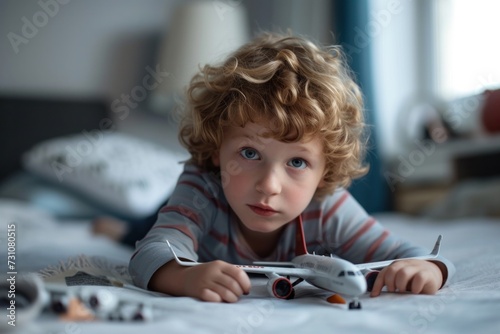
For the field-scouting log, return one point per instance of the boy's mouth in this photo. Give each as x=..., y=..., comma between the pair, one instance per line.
x=262, y=210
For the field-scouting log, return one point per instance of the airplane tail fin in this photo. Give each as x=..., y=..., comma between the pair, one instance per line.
x=179, y=261
x=435, y=250
x=300, y=240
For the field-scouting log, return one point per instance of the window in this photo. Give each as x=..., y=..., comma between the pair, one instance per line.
x=466, y=45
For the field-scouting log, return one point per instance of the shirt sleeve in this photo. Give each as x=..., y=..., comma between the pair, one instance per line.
x=359, y=238
x=182, y=221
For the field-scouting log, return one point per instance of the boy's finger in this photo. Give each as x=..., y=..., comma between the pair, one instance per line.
x=240, y=276
x=389, y=278
x=404, y=277
x=209, y=295
x=230, y=283
x=225, y=294
x=417, y=284
x=378, y=285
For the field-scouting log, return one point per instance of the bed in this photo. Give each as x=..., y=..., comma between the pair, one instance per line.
x=54, y=244
x=469, y=303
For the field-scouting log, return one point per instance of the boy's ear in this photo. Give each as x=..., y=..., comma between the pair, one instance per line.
x=216, y=159
x=321, y=183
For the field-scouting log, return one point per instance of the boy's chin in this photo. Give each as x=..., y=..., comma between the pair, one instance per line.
x=264, y=228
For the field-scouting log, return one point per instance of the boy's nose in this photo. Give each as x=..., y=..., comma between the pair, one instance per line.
x=268, y=183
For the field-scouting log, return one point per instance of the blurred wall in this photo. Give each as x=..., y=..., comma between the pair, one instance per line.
x=392, y=32
x=77, y=48
x=93, y=48
x=312, y=18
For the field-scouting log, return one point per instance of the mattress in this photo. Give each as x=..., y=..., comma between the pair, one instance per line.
x=470, y=302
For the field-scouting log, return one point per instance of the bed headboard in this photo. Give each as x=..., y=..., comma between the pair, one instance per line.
x=25, y=121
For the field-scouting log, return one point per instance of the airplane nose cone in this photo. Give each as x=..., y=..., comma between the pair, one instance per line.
x=356, y=286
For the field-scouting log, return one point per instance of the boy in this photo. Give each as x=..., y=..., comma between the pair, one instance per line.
x=274, y=132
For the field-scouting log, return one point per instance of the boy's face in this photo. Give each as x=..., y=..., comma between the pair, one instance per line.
x=268, y=183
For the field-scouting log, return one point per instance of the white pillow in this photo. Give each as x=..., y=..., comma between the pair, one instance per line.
x=127, y=175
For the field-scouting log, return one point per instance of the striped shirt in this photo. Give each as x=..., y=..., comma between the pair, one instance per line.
x=200, y=225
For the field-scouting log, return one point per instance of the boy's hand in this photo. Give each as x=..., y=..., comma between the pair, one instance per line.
x=417, y=276
x=216, y=281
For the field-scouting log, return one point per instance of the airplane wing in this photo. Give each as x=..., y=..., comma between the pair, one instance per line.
x=273, y=263
x=283, y=271
x=256, y=269
x=383, y=264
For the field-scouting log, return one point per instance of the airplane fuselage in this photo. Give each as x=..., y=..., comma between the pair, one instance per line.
x=333, y=274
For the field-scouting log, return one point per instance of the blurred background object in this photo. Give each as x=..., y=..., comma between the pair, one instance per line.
x=72, y=66
x=201, y=32
x=491, y=111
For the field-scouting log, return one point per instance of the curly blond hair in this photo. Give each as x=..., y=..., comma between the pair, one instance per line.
x=303, y=90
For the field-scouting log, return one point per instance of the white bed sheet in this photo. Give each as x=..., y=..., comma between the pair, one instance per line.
x=470, y=303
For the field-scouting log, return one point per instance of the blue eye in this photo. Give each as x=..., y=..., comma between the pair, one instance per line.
x=249, y=153
x=297, y=163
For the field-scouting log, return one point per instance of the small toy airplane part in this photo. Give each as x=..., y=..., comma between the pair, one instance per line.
x=89, y=303
x=328, y=273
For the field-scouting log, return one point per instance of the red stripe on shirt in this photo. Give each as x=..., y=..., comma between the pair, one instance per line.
x=184, y=229
x=335, y=207
x=314, y=214
x=193, y=184
x=240, y=252
x=222, y=238
x=206, y=194
x=373, y=248
x=184, y=211
x=366, y=226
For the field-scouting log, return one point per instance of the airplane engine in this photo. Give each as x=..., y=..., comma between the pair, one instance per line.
x=59, y=303
x=130, y=312
x=280, y=287
x=100, y=300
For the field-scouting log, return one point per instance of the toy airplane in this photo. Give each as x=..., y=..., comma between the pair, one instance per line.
x=328, y=273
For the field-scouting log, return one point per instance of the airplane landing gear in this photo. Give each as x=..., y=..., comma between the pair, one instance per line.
x=355, y=305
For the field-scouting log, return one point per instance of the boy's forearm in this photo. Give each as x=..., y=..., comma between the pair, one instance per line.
x=169, y=279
